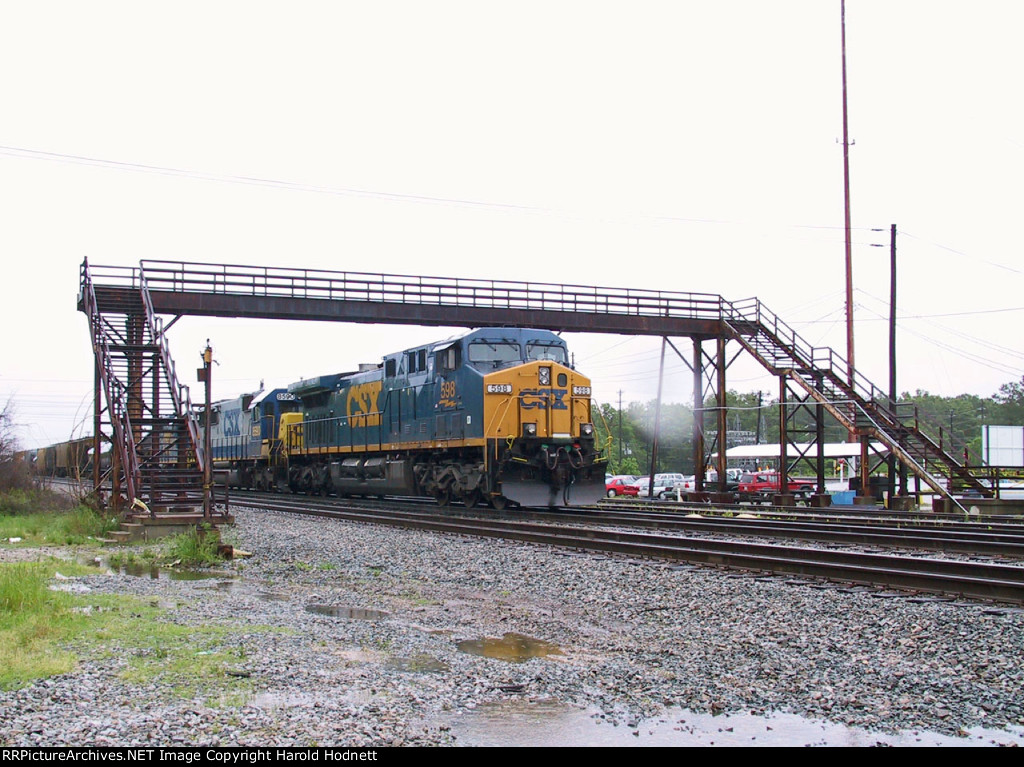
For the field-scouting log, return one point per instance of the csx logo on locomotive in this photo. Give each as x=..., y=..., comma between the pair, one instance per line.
x=362, y=404
x=537, y=399
x=232, y=427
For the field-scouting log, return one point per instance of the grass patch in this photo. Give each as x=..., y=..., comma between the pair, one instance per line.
x=67, y=527
x=45, y=633
x=126, y=559
x=32, y=620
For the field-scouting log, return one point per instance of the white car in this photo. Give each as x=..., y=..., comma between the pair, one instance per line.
x=665, y=486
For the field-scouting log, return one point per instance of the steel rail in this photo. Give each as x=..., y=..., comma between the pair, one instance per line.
x=958, y=539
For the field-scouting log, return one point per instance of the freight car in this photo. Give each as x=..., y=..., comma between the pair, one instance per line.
x=493, y=415
x=67, y=459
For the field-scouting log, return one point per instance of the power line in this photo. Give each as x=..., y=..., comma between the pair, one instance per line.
x=961, y=253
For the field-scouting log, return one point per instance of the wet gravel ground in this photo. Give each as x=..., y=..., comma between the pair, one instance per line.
x=381, y=663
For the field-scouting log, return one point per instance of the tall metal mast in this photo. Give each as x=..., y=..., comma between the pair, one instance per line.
x=846, y=192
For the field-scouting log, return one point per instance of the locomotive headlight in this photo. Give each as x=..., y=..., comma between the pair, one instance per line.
x=581, y=391
x=587, y=429
x=529, y=430
x=544, y=376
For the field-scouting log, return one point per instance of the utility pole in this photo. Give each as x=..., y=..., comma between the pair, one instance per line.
x=205, y=375
x=757, y=437
x=849, y=243
x=620, y=429
x=657, y=422
x=893, y=392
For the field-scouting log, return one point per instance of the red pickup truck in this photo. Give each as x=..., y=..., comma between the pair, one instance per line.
x=762, y=485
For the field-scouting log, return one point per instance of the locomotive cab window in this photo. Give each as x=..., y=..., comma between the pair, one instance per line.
x=495, y=352
x=390, y=368
x=542, y=351
x=449, y=358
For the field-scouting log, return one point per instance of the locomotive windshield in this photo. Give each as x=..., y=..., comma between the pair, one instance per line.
x=542, y=351
x=494, y=351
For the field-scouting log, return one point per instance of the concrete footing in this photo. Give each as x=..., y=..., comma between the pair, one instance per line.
x=992, y=506
x=150, y=528
x=903, y=503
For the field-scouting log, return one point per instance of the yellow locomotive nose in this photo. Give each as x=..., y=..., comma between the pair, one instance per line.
x=537, y=399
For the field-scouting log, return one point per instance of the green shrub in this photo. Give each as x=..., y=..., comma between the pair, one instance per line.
x=18, y=501
x=196, y=547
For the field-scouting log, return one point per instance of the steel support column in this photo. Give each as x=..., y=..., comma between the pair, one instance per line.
x=723, y=415
x=783, y=444
x=698, y=417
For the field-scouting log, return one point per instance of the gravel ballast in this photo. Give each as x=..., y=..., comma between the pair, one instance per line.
x=634, y=642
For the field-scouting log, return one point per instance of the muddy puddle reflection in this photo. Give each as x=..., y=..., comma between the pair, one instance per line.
x=512, y=647
x=155, y=572
x=352, y=613
x=551, y=723
x=418, y=664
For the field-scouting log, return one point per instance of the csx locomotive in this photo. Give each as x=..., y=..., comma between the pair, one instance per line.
x=495, y=415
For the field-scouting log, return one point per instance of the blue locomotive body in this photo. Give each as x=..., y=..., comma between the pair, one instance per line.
x=492, y=415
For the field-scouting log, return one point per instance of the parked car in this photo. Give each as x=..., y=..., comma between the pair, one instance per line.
x=620, y=486
x=762, y=485
x=665, y=485
x=732, y=480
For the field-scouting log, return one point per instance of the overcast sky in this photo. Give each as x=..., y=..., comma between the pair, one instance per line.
x=687, y=146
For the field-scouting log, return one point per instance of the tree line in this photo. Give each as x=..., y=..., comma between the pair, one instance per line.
x=753, y=418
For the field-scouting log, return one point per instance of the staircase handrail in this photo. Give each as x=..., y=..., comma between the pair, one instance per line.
x=119, y=418
x=179, y=391
x=824, y=360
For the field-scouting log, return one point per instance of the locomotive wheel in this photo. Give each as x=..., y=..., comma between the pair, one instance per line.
x=499, y=502
x=443, y=497
x=472, y=499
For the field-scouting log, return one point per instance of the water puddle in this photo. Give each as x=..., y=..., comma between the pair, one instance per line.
x=272, y=596
x=353, y=613
x=418, y=664
x=512, y=647
x=156, y=572
x=552, y=723
x=225, y=585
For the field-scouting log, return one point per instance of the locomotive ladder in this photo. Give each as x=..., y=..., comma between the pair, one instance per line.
x=860, y=406
x=151, y=426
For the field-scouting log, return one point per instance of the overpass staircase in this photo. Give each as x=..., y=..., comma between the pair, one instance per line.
x=858, y=405
x=156, y=463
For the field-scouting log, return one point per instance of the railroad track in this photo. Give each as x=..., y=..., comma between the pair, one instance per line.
x=969, y=538
x=992, y=581
x=838, y=513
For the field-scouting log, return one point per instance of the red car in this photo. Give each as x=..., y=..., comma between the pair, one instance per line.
x=762, y=485
x=620, y=486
